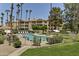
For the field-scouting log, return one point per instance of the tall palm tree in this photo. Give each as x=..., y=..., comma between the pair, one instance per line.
x=18, y=12
x=11, y=14
x=26, y=14
x=17, y=20
x=2, y=18
x=54, y=18
x=18, y=9
x=11, y=35
x=13, y=18
x=7, y=11
x=30, y=11
x=50, y=17
x=21, y=9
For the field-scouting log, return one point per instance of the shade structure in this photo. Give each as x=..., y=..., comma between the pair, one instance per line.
x=56, y=30
x=7, y=31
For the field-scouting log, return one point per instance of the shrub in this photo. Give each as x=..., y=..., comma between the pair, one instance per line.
x=64, y=32
x=55, y=39
x=68, y=38
x=17, y=44
x=15, y=31
x=15, y=38
x=76, y=38
x=1, y=39
x=2, y=32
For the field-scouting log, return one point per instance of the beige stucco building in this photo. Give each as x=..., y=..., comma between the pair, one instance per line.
x=24, y=26
x=27, y=25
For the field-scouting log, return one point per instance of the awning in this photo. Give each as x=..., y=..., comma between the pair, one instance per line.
x=56, y=30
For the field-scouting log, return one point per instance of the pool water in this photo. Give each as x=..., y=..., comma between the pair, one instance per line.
x=30, y=37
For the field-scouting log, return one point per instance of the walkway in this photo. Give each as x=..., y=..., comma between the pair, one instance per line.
x=19, y=51
x=22, y=49
x=5, y=49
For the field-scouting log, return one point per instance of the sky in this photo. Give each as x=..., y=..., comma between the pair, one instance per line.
x=39, y=10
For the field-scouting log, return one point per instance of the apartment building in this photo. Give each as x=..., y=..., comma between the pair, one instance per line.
x=24, y=26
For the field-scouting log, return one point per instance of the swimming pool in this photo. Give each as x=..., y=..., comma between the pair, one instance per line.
x=30, y=36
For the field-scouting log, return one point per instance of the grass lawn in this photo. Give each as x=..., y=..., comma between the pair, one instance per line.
x=54, y=50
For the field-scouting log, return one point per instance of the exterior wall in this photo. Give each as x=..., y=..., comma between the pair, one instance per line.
x=27, y=25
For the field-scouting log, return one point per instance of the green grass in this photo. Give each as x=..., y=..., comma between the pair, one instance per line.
x=54, y=50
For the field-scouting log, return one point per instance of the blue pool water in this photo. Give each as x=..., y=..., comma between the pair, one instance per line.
x=30, y=37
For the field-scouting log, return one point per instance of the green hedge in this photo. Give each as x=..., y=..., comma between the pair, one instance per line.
x=2, y=32
x=55, y=39
x=15, y=31
x=16, y=42
x=36, y=27
x=1, y=39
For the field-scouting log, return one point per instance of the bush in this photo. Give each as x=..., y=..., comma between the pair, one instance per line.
x=1, y=39
x=15, y=31
x=17, y=44
x=64, y=32
x=2, y=32
x=15, y=38
x=55, y=39
x=76, y=38
x=68, y=38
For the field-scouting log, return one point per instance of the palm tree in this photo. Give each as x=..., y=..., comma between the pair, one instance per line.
x=17, y=20
x=55, y=20
x=26, y=14
x=21, y=10
x=2, y=18
x=11, y=35
x=11, y=14
x=30, y=11
x=18, y=12
x=13, y=18
x=7, y=11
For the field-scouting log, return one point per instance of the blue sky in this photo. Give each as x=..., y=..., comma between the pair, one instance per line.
x=39, y=10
